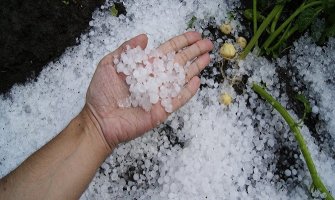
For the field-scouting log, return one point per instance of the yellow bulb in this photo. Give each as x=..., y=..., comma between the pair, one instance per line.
x=226, y=29
x=242, y=42
x=226, y=99
x=227, y=51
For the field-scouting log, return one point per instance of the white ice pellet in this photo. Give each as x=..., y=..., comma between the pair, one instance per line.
x=315, y=110
x=217, y=159
x=271, y=142
x=294, y=172
x=91, y=33
x=161, y=79
x=136, y=177
x=287, y=172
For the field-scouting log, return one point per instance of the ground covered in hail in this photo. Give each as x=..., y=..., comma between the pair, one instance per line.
x=206, y=150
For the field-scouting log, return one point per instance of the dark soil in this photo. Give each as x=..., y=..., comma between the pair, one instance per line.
x=35, y=32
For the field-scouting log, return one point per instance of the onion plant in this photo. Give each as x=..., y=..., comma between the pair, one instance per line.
x=277, y=30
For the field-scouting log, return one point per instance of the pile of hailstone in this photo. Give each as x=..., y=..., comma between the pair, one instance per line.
x=151, y=76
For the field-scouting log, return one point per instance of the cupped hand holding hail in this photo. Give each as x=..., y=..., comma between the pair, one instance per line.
x=108, y=87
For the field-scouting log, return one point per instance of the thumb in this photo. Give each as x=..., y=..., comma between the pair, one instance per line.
x=140, y=40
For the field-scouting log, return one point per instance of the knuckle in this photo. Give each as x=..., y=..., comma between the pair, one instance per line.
x=186, y=38
x=184, y=56
x=198, y=66
x=173, y=44
x=198, y=48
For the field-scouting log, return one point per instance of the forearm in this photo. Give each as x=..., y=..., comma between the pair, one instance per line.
x=61, y=169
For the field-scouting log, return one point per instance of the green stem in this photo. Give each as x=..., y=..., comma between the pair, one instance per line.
x=275, y=21
x=317, y=182
x=254, y=17
x=274, y=35
x=260, y=30
x=288, y=32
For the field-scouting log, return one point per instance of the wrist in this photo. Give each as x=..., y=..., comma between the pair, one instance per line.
x=93, y=128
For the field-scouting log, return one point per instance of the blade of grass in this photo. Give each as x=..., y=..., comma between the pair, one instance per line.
x=317, y=182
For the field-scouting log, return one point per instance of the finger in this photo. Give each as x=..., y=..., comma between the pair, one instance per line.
x=140, y=40
x=187, y=93
x=197, y=66
x=179, y=42
x=193, y=51
x=158, y=114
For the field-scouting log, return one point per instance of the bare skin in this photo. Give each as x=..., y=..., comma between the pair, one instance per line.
x=63, y=168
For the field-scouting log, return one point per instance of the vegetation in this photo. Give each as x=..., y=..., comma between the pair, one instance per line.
x=114, y=11
x=273, y=34
x=294, y=126
x=190, y=24
x=277, y=28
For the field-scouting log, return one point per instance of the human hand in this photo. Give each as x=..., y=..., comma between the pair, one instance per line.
x=108, y=87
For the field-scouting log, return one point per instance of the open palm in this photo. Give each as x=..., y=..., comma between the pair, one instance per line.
x=108, y=87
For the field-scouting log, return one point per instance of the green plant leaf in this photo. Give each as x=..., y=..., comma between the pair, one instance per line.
x=306, y=18
x=114, y=11
x=66, y=2
x=248, y=15
x=263, y=5
x=329, y=14
x=317, y=29
x=190, y=23
x=231, y=16
x=328, y=6
x=282, y=1
x=307, y=105
x=330, y=31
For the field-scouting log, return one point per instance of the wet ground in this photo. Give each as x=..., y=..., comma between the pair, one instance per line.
x=35, y=32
